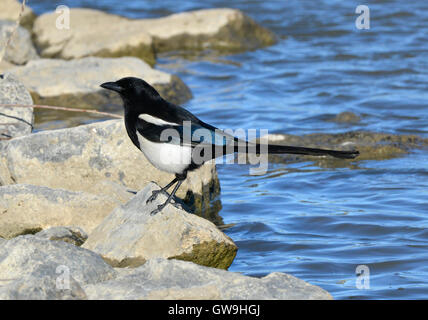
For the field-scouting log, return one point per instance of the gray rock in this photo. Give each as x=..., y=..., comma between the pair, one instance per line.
x=347, y=117
x=174, y=279
x=63, y=83
x=29, y=209
x=95, y=33
x=21, y=48
x=222, y=30
x=10, y=9
x=78, y=158
x=92, y=33
x=36, y=268
x=129, y=236
x=113, y=189
x=44, y=287
x=4, y=66
x=73, y=235
x=4, y=171
x=14, y=122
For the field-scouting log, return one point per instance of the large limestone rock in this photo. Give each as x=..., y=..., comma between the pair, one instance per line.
x=4, y=171
x=29, y=209
x=95, y=33
x=36, y=268
x=10, y=9
x=92, y=33
x=14, y=122
x=113, y=189
x=130, y=236
x=222, y=30
x=76, y=83
x=4, y=66
x=183, y=280
x=20, y=49
x=78, y=158
x=73, y=235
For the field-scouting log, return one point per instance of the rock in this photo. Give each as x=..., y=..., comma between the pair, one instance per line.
x=4, y=171
x=4, y=66
x=222, y=30
x=14, y=122
x=347, y=117
x=95, y=33
x=371, y=145
x=42, y=287
x=114, y=190
x=20, y=49
x=29, y=209
x=78, y=158
x=130, y=236
x=10, y=9
x=92, y=33
x=73, y=235
x=183, y=280
x=36, y=268
x=77, y=82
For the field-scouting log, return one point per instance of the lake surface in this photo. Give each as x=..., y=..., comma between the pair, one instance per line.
x=317, y=223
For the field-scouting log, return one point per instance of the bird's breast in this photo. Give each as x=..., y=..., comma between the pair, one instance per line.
x=167, y=157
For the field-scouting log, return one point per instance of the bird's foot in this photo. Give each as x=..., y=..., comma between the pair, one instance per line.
x=155, y=194
x=157, y=210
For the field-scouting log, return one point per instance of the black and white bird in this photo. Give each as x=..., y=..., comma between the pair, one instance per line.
x=165, y=133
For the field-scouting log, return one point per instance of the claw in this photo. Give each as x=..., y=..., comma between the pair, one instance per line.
x=154, y=195
x=159, y=209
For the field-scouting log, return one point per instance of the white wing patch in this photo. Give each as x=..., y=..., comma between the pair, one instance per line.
x=166, y=156
x=150, y=119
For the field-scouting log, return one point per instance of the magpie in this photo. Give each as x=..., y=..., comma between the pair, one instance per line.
x=165, y=133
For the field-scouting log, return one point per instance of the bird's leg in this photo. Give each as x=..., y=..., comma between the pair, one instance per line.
x=162, y=190
x=180, y=179
x=160, y=207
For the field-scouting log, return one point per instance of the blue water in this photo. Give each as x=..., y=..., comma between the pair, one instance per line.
x=317, y=223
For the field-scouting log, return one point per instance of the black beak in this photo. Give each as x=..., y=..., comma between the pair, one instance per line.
x=112, y=86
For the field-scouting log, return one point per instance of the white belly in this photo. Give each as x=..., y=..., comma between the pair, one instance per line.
x=166, y=156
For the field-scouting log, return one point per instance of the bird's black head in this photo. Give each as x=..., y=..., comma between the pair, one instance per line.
x=134, y=91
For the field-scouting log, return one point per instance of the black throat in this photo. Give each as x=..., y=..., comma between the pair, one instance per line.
x=131, y=126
